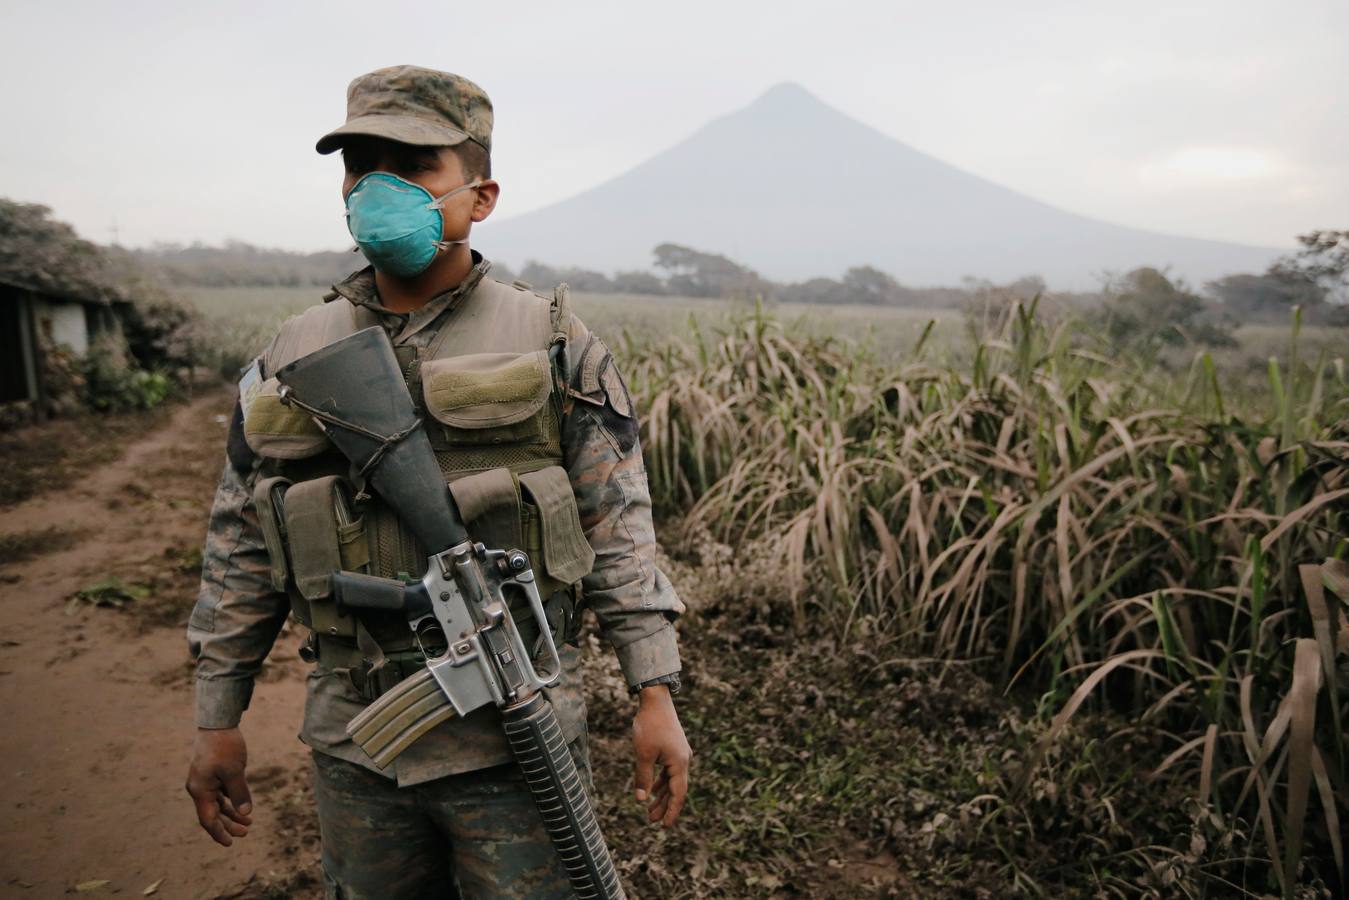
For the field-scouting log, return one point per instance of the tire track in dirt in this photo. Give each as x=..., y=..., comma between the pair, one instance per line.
x=98, y=702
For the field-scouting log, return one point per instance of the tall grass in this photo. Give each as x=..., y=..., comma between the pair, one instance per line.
x=1087, y=525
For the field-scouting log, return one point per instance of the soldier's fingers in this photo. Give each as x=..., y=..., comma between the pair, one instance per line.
x=218, y=833
x=679, y=790
x=659, y=795
x=659, y=805
x=208, y=816
x=646, y=764
x=204, y=801
x=234, y=828
x=236, y=789
x=228, y=810
x=657, y=791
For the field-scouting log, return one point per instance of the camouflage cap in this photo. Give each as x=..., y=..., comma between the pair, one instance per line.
x=417, y=106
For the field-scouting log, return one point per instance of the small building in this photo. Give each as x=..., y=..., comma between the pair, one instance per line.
x=32, y=320
x=57, y=292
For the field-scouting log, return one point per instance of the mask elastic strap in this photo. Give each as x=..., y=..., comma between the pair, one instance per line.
x=436, y=203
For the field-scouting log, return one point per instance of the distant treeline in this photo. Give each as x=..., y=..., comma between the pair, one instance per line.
x=237, y=264
x=680, y=271
x=686, y=272
x=1314, y=278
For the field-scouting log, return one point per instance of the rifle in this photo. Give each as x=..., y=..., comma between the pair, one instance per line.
x=459, y=612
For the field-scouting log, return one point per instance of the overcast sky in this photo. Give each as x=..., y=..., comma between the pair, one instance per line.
x=181, y=121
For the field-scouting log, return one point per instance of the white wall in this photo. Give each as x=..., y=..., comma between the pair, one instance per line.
x=63, y=322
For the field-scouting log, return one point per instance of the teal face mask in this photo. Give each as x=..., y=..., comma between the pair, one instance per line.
x=398, y=224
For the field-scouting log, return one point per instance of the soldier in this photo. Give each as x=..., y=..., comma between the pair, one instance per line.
x=537, y=437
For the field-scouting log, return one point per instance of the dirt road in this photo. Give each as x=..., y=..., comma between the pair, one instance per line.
x=97, y=702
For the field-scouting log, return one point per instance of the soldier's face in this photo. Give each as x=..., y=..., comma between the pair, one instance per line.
x=435, y=168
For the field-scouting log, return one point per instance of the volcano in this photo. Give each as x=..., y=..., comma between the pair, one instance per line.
x=795, y=189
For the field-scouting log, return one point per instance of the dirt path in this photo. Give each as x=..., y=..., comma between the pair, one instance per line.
x=98, y=702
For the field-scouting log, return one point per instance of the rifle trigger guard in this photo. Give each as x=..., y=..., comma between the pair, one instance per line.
x=517, y=563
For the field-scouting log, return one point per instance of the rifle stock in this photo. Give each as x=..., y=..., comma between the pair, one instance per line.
x=356, y=393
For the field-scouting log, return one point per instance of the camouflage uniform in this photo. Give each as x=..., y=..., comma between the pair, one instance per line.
x=452, y=806
x=391, y=841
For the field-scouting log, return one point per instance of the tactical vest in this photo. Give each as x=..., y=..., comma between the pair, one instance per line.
x=489, y=392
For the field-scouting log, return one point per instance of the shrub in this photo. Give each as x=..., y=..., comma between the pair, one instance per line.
x=114, y=383
x=62, y=378
x=162, y=334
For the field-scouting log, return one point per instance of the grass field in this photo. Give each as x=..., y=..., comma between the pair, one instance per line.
x=246, y=317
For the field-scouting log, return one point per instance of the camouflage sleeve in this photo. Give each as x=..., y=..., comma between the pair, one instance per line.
x=238, y=613
x=633, y=599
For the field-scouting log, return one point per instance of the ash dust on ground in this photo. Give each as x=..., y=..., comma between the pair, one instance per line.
x=101, y=521
x=820, y=770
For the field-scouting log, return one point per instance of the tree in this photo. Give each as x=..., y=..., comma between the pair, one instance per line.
x=544, y=277
x=1145, y=308
x=816, y=290
x=1268, y=297
x=1322, y=260
x=537, y=273
x=696, y=273
x=867, y=284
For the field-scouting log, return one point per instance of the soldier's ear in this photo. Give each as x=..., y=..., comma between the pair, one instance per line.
x=486, y=199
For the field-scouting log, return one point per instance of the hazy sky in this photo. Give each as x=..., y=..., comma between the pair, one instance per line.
x=182, y=121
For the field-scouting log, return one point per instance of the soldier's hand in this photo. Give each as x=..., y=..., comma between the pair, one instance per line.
x=663, y=755
x=217, y=784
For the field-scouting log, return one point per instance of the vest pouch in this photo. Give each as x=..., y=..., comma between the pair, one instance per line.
x=277, y=431
x=489, y=504
x=488, y=398
x=322, y=536
x=269, y=501
x=549, y=501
